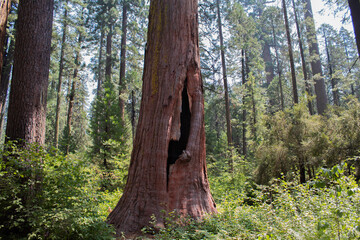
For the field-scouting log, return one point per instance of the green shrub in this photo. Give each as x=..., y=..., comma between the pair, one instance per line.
x=48, y=196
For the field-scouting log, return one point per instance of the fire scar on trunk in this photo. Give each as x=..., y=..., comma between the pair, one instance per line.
x=179, y=138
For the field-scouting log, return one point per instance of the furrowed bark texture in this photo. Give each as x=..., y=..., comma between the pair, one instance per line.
x=320, y=91
x=168, y=168
x=27, y=105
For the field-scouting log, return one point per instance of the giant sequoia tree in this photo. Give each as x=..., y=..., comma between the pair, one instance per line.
x=168, y=168
x=27, y=104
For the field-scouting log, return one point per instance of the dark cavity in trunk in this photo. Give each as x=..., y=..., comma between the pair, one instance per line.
x=176, y=148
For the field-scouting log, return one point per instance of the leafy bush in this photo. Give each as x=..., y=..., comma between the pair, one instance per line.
x=326, y=208
x=46, y=196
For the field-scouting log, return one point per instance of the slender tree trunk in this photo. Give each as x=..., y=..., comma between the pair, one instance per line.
x=303, y=62
x=355, y=15
x=108, y=68
x=243, y=76
x=123, y=59
x=168, y=168
x=27, y=105
x=133, y=113
x=72, y=96
x=5, y=79
x=108, y=63
x=61, y=68
x=99, y=89
x=320, y=91
x=223, y=63
x=333, y=81
x=5, y=6
x=100, y=78
x=292, y=64
x=278, y=67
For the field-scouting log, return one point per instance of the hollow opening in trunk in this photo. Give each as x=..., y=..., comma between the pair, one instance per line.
x=176, y=148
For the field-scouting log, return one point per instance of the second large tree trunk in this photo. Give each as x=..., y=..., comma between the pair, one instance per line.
x=27, y=104
x=168, y=168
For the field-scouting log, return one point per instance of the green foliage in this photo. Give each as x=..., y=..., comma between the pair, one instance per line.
x=284, y=210
x=46, y=196
x=295, y=137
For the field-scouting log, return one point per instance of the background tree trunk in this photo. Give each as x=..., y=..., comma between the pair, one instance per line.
x=282, y=104
x=243, y=77
x=123, y=59
x=226, y=89
x=168, y=168
x=72, y=96
x=61, y=69
x=292, y=65
x=303, y=62
x=320, y=91
x=5, y=80
x=27, y=105
x=333, y=81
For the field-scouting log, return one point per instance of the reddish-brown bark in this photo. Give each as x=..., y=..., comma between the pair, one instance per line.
x=27, y=105
x=168, y=168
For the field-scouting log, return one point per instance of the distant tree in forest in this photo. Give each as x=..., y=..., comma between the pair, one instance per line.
x=320, y=91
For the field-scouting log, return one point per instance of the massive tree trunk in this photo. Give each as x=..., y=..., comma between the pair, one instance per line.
x=61, y=69
x=292, y=64
x=27, y=105
x=320, y=91
x=303, y=62
x=5, y=6
x=168, y=168
x=226, y=90
x=355, y=15
x=123, y=59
